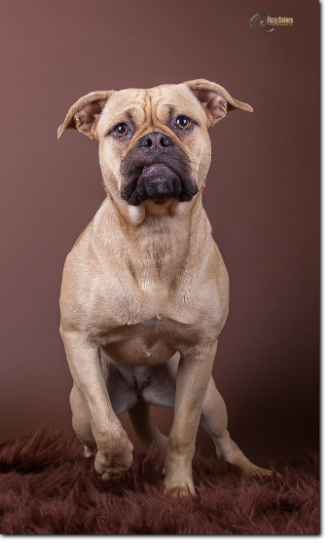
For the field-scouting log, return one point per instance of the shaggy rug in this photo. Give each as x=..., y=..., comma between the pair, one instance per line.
x=47, y=487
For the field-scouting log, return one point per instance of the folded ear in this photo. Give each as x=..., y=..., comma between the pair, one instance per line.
x=84, y=114
x=215, y=99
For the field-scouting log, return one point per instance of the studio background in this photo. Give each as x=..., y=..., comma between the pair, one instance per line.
x=262, y=197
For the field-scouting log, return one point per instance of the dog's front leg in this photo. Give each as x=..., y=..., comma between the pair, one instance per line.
x=193, y=375
x=114, y=454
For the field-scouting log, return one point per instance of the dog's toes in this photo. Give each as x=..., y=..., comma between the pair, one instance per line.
x=248, y=468
x=262, y=471
x=256, y=471
x=107, y=476
x=179, y=490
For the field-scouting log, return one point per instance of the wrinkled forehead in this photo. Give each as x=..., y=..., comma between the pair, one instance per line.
x=176, y=99
x=151, y=105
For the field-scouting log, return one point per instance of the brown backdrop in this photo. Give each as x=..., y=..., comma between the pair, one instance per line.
x=262, y=196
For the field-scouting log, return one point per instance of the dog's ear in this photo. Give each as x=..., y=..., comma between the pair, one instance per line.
x=215, y=99
x=83, y=115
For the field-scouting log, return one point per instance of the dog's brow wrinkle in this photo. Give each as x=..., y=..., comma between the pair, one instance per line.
x=128, y=113
x=171, y=109
x=148, y=108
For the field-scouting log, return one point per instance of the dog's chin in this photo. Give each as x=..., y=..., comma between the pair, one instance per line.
x=157, y=183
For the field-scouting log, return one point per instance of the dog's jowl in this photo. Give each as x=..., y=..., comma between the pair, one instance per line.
x=145, y=292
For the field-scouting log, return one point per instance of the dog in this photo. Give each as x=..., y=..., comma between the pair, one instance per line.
x=145, y=291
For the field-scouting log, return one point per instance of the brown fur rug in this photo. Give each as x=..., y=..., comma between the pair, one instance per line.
x=47, y=487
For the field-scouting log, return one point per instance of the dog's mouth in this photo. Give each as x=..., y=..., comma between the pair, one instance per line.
x=157, y=182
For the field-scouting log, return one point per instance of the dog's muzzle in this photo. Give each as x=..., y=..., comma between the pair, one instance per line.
x=156, y=169
x=159, y=183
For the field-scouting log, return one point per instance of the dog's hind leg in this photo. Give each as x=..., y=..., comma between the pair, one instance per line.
x=80, y=422
x=214, y=420
x=144, y=425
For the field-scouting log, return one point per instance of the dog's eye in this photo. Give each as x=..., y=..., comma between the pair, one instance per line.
x=183, y=122
x=121, y=129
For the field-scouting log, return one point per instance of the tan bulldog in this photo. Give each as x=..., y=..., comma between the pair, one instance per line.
x=145, y=291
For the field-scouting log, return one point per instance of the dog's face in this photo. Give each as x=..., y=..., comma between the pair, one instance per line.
x=154, y=143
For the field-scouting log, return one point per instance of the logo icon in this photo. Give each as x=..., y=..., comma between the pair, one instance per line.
x=260, y=21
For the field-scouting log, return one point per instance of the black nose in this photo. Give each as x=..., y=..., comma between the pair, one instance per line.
x=155, y=141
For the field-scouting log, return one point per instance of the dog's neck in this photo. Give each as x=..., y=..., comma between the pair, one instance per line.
x=157, y=239
x=151, y=214
x=148, y=212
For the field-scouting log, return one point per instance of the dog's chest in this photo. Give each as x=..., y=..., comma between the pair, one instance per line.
x=150, y=343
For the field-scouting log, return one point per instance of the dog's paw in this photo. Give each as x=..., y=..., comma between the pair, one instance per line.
x=113, y=463
x=252, y=470
x=179, y=490
x=262, y=471
x=178, y=484
x=258, y=472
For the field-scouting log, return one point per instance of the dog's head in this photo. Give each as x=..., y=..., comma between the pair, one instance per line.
x=153, y=144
